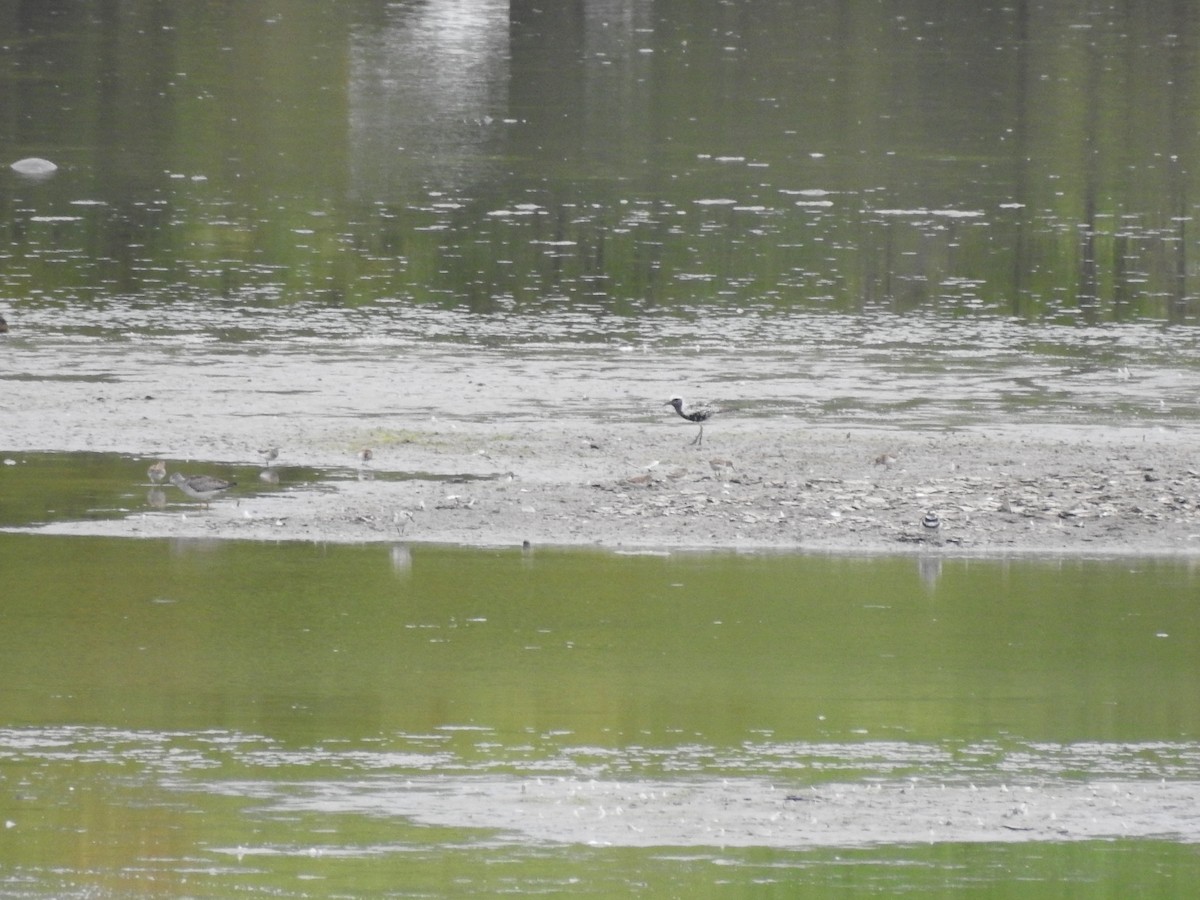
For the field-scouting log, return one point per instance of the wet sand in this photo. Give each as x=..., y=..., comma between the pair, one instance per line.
x=574, y=446
x=756, y=813
x=755, y=484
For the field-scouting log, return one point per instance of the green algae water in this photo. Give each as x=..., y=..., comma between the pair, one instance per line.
x=518, y=159
x=203, y=718
x=861, y=213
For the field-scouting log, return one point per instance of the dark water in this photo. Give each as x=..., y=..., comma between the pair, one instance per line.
x=200, y=718
x=886, y=214
x=1022, y=160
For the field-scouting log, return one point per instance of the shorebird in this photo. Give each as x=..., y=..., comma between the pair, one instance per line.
x=3, y=325
x=269, y=455
x=699, y=415
x=201, y=487
x=157, y=472
x=931, y=522
x=364, y=470
x=719, y=466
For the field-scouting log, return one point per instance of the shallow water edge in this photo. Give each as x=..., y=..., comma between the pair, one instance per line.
x=775, y=486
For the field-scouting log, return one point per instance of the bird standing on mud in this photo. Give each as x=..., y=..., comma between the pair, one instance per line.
x=699, y=415
x=930, y=523
x=200, y=487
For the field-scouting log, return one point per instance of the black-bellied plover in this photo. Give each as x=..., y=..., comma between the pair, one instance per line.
x=157, y=473
x=698, y=414
x=201, y=487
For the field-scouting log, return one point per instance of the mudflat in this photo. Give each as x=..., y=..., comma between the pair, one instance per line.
x=779, y=484
x=580, y=448
x=519, y=461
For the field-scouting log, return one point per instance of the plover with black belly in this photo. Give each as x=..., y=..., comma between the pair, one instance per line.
x=698, y=414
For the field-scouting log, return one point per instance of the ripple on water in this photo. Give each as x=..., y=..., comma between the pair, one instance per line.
x=876, y=369
x=758, y=794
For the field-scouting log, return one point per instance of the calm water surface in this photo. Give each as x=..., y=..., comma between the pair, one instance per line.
x=187, y=718
x=518, y=158
x=874, y=213
x=882, y=214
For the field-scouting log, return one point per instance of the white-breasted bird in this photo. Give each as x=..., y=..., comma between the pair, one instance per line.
x=201, y=487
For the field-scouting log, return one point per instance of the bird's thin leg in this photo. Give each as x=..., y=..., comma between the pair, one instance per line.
x=698, y=440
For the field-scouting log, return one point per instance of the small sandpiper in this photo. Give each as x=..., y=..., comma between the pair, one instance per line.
x=201, y=487
x=364, y=470
x=699, y=415
x=157, y=473
x=720, y=466
x=269, y=455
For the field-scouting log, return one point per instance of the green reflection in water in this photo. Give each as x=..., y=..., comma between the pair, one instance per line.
x=36, y=488
x=158, y=697
x=299, y=641
x=1018, y=160
x=39, y=488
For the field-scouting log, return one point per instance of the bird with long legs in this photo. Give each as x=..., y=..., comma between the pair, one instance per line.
x=201, y=487
x=698, y=414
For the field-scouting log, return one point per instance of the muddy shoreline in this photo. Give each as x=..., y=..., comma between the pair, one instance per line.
x=625, y=478
x=576, y=448
x=755, y=813
x=770, y=485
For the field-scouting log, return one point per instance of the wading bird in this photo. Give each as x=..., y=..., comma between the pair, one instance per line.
x=201, y=487
x=698, y=414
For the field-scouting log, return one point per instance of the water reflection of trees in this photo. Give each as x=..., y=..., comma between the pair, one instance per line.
x=1015, y=159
